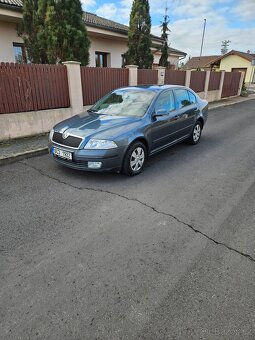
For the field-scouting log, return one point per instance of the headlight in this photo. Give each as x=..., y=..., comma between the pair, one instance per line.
x=100, y=144
x=51, y=134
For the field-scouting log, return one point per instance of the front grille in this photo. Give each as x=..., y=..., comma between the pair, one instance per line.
x=73, y=164
x=71, y=141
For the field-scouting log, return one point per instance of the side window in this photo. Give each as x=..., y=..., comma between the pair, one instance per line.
x=192, y=98
x=182, y=98
x=165, y=101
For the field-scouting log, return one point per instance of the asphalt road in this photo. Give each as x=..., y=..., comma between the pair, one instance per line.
x=168, y=254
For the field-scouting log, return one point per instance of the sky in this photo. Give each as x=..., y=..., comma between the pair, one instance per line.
x=232, y=20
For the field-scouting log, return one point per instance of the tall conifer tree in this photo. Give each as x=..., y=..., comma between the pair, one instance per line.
x=53, y=31
x=164, y=50
x=67, y=37
x=32, y=30
x=139, y=38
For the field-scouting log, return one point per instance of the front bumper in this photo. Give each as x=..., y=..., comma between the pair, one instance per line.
x=110, y=159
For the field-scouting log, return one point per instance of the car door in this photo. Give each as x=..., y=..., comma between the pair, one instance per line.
x=163, y=127
x=187, y=109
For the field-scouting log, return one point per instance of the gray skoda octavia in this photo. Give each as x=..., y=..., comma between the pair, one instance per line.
x=126, y=126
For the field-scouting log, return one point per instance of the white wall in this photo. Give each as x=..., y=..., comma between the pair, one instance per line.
x=8, y=35
x=174, y=60
x=115, y=47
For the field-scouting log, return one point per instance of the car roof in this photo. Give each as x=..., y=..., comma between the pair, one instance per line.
x=155, y=88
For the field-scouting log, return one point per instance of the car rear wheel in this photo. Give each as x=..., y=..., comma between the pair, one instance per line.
x=196, y=133
x=135, y=159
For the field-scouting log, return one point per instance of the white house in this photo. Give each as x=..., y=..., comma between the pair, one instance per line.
x=108, y=39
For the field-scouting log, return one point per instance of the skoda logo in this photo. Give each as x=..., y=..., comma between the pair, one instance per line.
x=65, y=135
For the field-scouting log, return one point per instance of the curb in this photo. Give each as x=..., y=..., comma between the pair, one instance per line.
x=23, y=155
x=229, y=104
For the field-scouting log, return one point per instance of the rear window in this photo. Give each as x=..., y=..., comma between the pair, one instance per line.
x=192, y=98
x=182, y=98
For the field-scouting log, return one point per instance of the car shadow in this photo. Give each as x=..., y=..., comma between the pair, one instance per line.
x=163, y=162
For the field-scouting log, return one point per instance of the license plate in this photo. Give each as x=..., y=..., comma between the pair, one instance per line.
x=61, y=153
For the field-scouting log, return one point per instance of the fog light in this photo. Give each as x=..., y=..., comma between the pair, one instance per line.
x=94, y=165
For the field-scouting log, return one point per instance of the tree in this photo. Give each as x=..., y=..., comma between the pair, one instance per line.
x=163, y=61
x=53, y=31
x=67, y=37
x=32, y=30
x=139, y=38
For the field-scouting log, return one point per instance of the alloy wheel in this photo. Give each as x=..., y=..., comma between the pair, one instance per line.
x=137, y=159
x=196, y=133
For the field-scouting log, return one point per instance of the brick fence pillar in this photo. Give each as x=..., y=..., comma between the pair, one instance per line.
x=74, y=86
x=207, y=79
x=241, y=83
x=161, y=74
x=221, y=84
x=187, y=78
x=132, y=74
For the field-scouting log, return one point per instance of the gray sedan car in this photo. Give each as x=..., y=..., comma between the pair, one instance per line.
x=126, y=126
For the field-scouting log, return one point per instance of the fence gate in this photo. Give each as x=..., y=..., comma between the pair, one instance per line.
x=231, y=84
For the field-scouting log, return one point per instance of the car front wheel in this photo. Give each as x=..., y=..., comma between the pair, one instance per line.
x=135, y=159
x=196, y=133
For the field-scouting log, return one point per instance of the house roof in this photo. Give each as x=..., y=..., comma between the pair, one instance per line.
x=173, y=50
x=200, y=62
x=247, y=56
x=94, y=20
x=13, y=3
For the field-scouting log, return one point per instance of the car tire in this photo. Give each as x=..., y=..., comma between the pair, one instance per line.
x=135, y=159
x=196, y=133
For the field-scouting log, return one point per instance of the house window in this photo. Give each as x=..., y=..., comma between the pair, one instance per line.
x=19, y=53
x=101, y=59
x=123, y=60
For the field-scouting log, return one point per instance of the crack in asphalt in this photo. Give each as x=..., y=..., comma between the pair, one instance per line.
x=190, y=226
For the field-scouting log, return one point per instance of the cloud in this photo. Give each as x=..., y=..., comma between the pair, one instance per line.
x=108, y=11
x=189, y=40
x=245, y=10
x=87, y=4
x=223, y=18
x=118, y=13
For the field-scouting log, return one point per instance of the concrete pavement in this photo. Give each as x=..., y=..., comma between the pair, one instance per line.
x=168, y=254
x=17, y=149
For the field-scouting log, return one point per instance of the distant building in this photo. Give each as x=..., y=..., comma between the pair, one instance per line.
x=233, y=61
x=205, y=63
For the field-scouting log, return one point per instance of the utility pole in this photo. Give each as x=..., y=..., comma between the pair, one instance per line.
x=202, y=43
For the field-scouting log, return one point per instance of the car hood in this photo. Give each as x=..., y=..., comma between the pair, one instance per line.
x=95, y=125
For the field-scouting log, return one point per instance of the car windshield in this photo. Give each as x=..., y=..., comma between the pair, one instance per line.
x=124, y=103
